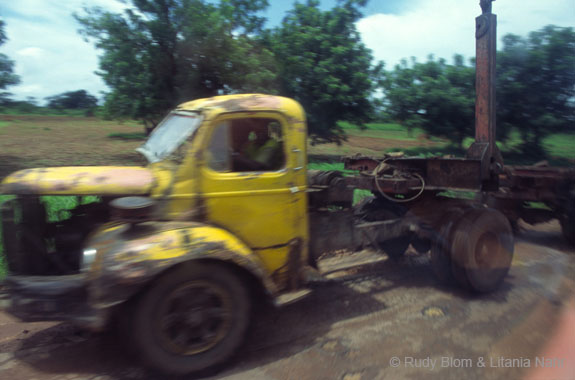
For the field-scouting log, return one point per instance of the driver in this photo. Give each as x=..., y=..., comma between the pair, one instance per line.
x=263, y=153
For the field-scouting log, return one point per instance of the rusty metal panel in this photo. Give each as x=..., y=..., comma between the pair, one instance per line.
x=438, y=173
x=331, y=231
x=386, y=184
x=536, y=183
x=328, y=188
x=486, y=25
x=484, y=147
x=454, y=173
x=361, y=163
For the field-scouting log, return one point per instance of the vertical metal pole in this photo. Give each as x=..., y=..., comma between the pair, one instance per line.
x=484, y=147
x=486, y=36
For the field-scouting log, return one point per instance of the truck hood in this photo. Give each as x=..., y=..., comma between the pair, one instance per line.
x=80, y=180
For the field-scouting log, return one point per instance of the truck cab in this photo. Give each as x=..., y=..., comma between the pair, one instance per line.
x=217, y=215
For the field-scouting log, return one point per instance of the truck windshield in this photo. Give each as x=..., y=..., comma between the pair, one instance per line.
x=169, y=135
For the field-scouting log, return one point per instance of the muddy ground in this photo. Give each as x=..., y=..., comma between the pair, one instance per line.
x=357, y=328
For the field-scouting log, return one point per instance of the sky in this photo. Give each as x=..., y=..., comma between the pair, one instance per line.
x=51, y=57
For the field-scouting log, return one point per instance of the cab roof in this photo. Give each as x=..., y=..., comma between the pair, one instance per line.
x=246, y=102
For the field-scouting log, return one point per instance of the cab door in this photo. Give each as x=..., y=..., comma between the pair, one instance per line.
x=253, y=182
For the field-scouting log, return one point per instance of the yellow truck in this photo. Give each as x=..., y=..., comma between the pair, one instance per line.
x=224, y=213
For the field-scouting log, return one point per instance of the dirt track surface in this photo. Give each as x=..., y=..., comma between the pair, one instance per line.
x=354, y=329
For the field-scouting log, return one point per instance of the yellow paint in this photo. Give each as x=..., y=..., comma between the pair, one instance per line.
x=266, y=210
x=167, y=244
x=80, y=180
x=179, y=241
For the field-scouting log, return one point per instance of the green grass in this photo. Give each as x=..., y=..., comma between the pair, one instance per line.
x=459, y=194
x=35, y=111
x=128, y=136
x=319, y=165
x=57, y=207
x=390, y=131
x=322, y=165
x=359, y=194
x=561, y=145
x=374, y=126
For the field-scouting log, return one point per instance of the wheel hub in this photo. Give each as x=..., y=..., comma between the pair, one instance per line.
x=487, y=250
x=194, y=318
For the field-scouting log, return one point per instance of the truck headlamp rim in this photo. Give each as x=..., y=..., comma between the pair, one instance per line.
x=88, y=257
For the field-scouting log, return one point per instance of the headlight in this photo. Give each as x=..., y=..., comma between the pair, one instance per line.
x=88, y=257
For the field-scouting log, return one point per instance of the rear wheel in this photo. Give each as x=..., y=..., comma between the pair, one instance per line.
x=192, y=319
x=441, y=247
x=482, y=249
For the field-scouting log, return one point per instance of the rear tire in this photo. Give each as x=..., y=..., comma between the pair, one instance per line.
x=441, y=247
x=482, y=250
x=192, y=319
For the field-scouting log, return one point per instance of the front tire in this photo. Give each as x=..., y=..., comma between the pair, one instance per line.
x=192, y=319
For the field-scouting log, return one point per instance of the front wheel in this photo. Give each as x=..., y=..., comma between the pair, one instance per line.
x=192, y=319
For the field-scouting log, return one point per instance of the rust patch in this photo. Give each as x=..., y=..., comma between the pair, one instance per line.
x=245, y=103
x=248, y=103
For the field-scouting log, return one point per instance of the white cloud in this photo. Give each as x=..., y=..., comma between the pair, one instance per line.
x=31, y=89
x=449, y=28
x=50, y=56
x=34, y=52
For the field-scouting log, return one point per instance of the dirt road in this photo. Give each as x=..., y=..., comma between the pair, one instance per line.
x=391, y=321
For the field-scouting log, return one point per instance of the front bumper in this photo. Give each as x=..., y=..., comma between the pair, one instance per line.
x=52, y=298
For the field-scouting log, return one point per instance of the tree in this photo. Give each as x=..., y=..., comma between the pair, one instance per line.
x=159, y=53
x=436, y=96
x=324, y=65
x=536, y=85
x=402, y=96
x=73, y=100
x=7, y=76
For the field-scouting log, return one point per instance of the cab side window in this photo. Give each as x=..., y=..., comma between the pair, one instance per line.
x=247, y=144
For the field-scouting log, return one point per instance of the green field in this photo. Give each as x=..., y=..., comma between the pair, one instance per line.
x=63, y=140
x=560, y=147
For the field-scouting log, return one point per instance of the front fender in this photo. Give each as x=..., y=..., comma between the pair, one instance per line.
x=129, y=257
